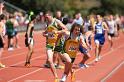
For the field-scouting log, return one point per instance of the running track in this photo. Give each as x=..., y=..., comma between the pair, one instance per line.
x=108, y=69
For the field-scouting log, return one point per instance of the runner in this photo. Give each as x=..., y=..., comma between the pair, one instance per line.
x=59, y=15
x=86, y=40
x=118, y=22
x=29, y=41
x=88, y=31
x=16, y=24
x=10, y=31
x=71, y=47
x=99, y=29
x=78, y=19
x=54, y=27
x=2, y=24
x=111, y=33
x=56, y=50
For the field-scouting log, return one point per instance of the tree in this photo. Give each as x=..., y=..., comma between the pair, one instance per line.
x=113, y=6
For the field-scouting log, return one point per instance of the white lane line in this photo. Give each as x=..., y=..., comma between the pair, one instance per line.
x=102, y=56
x=35, y=81
x=69, y=75
x=78, y=81
x=22, y=62
x=18, y=54
x=112, y=72
x=24, y=75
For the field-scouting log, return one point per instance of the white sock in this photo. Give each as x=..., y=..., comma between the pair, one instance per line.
x=64, y=77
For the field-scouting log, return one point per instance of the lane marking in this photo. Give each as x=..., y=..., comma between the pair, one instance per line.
x=102, y=56
x=112, y=72
x=22, y=62
x=18, y=54
x=25, y=75
x=69, y=75
x=35, y=81
x=42, y=68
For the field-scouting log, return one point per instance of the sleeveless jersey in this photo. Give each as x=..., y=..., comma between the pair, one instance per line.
x=10, y=28
x=111, y=25
x=72, y=47
x=52, y=37
x=31, y=31
x=99, y=28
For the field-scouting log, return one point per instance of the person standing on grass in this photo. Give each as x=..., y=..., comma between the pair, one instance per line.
x=99, y=30
x=2, y=42
x=29, y=41
x=54, y=28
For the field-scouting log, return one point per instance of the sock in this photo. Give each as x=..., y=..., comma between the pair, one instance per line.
x=64, y=77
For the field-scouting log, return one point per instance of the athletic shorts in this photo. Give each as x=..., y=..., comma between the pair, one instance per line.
x=31, y=42
x=83, y=50
x=111, y=34
x=72, y=60
x=10, y=34
x=59, y=49
x=99, y=39
x=49, y=47
x=15, y=32
x=1, y=43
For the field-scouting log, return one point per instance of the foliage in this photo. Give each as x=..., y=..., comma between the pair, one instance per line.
x=71, y=6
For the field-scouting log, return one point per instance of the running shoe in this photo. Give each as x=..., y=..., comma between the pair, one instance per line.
x=2, y=65
x=27, y=64
x=59, y=67
x=56, y=80
x=47, y=65
x=10, y=49
x=64, y=77
x=83, y=65
x=97, y=58
x=72, y=76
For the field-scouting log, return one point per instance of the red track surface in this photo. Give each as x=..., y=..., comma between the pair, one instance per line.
x=108, y=69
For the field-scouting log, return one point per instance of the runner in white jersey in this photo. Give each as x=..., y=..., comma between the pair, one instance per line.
x=112, y=26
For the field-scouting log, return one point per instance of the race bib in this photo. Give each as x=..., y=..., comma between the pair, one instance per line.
x=52, y=37
x=71, y=48
x=99, y=31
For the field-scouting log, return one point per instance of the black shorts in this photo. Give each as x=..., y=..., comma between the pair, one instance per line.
x=31, y=42
x=72, y=60
x=111, y=34
x=10, y=34
x=58, y=48
x=1, y=43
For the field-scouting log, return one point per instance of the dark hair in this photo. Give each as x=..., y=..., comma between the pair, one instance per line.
x=65, y=21
x=73, y=27
x=2, y=16
x=32, y=17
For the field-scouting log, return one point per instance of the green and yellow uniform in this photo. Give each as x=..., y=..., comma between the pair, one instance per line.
x=52, y=36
